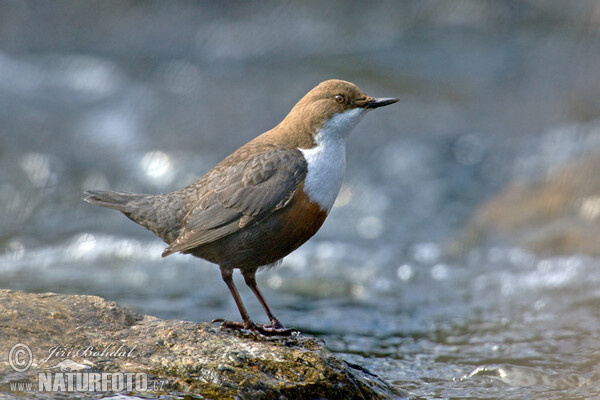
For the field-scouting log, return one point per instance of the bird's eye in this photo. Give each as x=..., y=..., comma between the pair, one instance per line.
x=340, y=98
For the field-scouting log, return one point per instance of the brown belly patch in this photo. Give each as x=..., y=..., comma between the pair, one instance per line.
x=268, y=240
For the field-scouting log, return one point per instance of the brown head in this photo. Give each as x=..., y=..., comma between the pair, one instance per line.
x=327, y=99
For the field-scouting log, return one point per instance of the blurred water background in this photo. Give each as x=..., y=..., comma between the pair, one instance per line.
x=146, y=96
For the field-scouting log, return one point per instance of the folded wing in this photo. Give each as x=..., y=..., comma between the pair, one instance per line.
x=241, y=194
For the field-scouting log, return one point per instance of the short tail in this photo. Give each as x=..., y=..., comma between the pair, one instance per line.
x=115, y=200
x=159, y=213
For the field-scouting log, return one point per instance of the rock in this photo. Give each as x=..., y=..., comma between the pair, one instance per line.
x=87, y=334
x=555, y=216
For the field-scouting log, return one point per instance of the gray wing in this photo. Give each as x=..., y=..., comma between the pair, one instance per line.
x=241, y=194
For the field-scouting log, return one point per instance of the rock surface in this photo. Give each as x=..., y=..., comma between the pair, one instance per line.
x=87, y=333
x=555, y=216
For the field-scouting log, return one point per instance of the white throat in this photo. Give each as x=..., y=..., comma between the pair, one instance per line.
x=327, y=160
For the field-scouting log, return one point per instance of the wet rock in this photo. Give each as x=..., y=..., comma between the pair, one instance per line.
x=557, y=215
x=71, y=334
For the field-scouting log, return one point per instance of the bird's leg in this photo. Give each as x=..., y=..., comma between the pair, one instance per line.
x=227, y=274
x=276, y=328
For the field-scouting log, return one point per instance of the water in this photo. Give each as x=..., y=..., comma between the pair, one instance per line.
x=490, y=92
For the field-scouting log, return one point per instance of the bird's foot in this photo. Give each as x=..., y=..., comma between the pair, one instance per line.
x=275, y=329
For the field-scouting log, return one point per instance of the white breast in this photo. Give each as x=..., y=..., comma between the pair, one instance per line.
x=327, y=160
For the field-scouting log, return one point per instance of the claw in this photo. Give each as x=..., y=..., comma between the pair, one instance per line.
x=276, y=329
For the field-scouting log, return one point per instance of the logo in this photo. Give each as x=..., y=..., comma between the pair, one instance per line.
x=20, y=357
x=92, y=382
x=70, y=366
x=68, y=375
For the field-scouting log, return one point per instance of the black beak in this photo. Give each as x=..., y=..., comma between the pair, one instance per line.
x=381, y=101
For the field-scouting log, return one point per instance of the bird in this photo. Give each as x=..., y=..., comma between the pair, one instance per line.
x=261, y=202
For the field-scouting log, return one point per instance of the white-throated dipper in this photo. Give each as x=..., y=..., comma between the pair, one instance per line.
x=265, y=199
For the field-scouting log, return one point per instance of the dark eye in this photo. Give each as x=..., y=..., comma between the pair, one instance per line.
x=339, y=98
